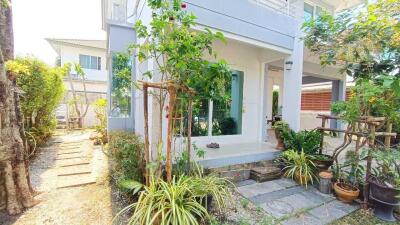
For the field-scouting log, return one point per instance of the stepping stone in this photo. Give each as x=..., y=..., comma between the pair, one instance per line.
x=83, y=168
x=69, y=153
x=65, y=157
x=259, y=189
x=75, y=181
x=72, y=162
x=262, y=174
x=245, y=182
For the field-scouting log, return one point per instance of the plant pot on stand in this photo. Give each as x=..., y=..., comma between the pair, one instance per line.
x=385, y=199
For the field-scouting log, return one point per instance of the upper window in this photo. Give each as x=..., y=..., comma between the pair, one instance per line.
x=312, y=11
x=90, y=62
x=308, y=12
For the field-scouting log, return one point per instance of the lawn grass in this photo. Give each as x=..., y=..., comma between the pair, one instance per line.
x=362, y=217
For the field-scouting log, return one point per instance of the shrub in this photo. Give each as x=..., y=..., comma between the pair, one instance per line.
x=126, y=151
x=306, y=140
x=179, y=202
x=100, y=109
x=43, y=91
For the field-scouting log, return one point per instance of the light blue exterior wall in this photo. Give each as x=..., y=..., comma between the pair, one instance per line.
x=247, y=19
x=119, y=38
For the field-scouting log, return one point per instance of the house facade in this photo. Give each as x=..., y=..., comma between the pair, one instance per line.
x=264, y=49
x=91, y=56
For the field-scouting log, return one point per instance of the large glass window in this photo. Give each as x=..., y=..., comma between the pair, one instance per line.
x=226, y=113
x=90, y=62
x=121, y=85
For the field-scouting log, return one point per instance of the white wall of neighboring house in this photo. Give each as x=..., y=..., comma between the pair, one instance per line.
x=96, y=80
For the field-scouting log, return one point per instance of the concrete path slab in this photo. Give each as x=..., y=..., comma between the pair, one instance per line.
x=294, y=204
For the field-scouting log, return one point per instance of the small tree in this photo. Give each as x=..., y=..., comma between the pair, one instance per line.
x=75, y=98
x=179, y=54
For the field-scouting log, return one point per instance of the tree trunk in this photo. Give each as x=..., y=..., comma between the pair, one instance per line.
x=14, y=179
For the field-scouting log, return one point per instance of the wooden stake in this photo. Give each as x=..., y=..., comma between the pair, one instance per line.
x=189, y=132
x=168, y=166
x=146, y=133
x=369, y=162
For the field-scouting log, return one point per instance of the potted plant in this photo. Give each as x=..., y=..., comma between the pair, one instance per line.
x=348, y=176
x=280, y=127
x=385, y=183
x=300, y=167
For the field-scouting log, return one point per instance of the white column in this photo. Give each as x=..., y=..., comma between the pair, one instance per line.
x=292, y=80
x=268, y=86
x=338, y=94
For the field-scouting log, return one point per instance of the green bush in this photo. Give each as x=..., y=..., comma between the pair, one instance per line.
x=126, y=151
x=306, y=140
x=182, y=201
x=43, y=89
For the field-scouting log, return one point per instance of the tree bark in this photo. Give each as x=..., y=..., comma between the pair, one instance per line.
x=14, y=179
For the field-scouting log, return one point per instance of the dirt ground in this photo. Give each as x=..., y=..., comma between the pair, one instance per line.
x=90, y=204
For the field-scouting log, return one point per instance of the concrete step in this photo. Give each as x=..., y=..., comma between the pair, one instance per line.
x=82, y=168
x=72, y=162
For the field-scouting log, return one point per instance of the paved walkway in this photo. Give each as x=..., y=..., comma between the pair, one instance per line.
x=294, y=204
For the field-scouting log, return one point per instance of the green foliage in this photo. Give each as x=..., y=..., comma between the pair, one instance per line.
x=100, y=109
x=369, y=98
x=180, y=52
x=388, y=166
x=365, y=42
x=224, y=126
x=306, y=140
x=179, y=202
x=244, y=203
x=300, y=167
x=126, y=151
x=351, y=171
x=43, y=91
x=275, y=101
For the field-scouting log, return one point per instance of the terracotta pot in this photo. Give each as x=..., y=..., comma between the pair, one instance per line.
x=301, y=179
x=344, y=194
x=280, y=145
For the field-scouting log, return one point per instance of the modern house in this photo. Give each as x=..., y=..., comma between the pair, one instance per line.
x=264, y=50
x=91, y=55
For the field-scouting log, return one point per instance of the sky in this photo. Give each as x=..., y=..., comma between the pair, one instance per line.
x=35, y=20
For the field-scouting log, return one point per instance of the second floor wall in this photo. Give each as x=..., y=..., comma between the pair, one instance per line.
x=93, y=61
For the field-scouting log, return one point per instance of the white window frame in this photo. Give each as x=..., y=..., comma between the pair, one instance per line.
x=98, y=61
x=315, y=8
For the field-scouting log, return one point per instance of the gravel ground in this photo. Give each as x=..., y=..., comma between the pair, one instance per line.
x=92, y=204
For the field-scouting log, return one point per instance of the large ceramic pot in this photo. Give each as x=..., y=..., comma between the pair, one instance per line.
x=323, y=164
x=346, y=193
x=280, y=145
x=384, y=198
x=383, y=193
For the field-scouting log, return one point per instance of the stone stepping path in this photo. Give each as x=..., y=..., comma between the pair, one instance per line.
x=74, y=167
x=294, y=204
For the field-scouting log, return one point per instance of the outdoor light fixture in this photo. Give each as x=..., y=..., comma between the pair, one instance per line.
x=288, y=65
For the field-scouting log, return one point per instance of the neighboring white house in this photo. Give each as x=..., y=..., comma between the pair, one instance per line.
x=264, y=50
x=91, y=55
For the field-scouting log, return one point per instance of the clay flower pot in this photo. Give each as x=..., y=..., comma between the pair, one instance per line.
x=346, y=193
x=301, y=179
x=280, y=145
